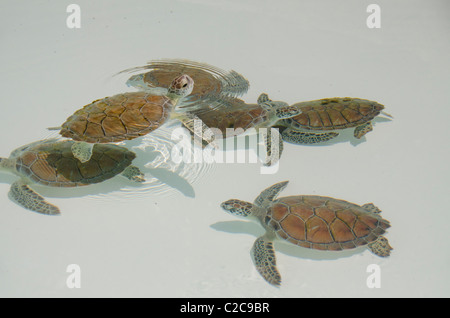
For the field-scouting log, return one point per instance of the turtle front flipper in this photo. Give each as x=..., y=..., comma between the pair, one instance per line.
x=263, y=255
x=306, y=138
x=274, y=146
x=270, y=193
x=23, y=195
x=197, y=127
x=82, y=150
x=133, y=173
x=380, y=247
x=363, y=129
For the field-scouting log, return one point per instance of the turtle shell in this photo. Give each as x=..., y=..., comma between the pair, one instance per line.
x=53, y=164
x=239, y=116
x=334, y=113
x=324, y=223
x=120, y=117
x=210, y=81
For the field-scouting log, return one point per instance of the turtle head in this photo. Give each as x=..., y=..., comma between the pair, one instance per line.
x=181, y=86
x=237, y=207
x=286, y=112
x=277, y=109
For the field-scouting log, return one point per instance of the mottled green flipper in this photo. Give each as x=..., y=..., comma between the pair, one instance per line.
x=133, y=173
x=380, y=247
x=197, y=127
x=269, y=194
x=263, y=255
x=24, y=196
x=82, y=150
x=274, y=145
x=371, y=208
x=360, y=131
x=306, y=138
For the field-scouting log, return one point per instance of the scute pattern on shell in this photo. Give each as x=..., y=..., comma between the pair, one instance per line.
x=120, y=117
x=239, y=116
x=53, y=164
x=334, y=113
x=324, y=223
x=210, y=82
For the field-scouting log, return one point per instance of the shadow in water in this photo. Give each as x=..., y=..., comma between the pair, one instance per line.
x=255, y=230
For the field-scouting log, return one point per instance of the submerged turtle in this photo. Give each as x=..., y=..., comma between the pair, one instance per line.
x=122, y=117
x=211, y=82
x=51, y=163
x=237, y=117
x=330, y=114
x=310, y=221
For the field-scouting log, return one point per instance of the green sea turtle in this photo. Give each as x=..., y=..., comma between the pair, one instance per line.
x=211, y=82
x=51, y=163
x=329, y=115
x=237, y=117
x=309, y=221
x=122, y=117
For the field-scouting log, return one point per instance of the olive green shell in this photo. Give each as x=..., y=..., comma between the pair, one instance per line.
x=53, y=164
x=334, y=113
x=324, y=223
x=120, y=117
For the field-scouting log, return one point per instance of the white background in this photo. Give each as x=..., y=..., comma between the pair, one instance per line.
x=176, y=241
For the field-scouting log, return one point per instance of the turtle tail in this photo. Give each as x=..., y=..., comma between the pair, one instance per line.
x=54, y=128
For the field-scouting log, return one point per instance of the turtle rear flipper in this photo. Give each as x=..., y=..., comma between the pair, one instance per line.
x=264, y=258
x=371, y=208
x=363, y=129
x=23, y=195
x=380, y=247
x=133, y=173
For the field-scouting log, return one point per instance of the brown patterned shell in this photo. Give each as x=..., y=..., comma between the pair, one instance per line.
x=53, y=164
x=205, y=83
x=120, y=117
x=238, y=115
x=210, y=81
x=334, y=113
x=324, y=223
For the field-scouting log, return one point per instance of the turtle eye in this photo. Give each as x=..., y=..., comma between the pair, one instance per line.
x=185, y=84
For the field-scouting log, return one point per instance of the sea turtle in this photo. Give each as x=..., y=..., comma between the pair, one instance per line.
x=51, y=163
x=122, y=117
x=237, y=117
x=210, y=82
x=329, y=114
x=309, y=221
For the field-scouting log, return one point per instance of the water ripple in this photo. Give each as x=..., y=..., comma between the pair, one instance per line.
x=164, y=176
